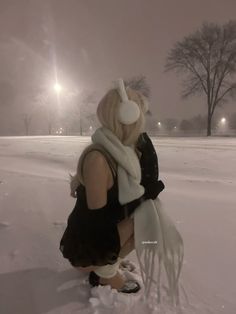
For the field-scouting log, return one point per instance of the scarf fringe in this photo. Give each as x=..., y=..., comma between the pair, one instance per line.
x=150, y=221
x=168, y=255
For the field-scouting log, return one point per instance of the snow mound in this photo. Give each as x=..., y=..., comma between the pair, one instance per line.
x=105, y=300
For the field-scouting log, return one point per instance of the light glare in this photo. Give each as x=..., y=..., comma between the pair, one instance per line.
x=57, y=87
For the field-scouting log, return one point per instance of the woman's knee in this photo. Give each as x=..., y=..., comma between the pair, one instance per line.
x=125, y=229
x=128, y=247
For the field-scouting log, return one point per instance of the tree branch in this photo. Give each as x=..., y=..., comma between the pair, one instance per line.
x=223, y=76
x=232, y=87
x=193, y=70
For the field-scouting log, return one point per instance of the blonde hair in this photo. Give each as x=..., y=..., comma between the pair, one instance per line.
x=107, y=113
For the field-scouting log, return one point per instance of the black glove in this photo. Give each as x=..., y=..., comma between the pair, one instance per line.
x=153, y=189
x=148, y=159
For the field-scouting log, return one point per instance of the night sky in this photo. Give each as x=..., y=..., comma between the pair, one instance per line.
x=92, y=42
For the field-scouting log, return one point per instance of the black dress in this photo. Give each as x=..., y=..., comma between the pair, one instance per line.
x=91, y=236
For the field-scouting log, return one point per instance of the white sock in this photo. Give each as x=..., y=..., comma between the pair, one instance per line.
x=107, y=271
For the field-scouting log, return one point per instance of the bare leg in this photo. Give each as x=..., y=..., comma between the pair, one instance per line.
x=126, y=230
x=118, y=280
x=127, y=247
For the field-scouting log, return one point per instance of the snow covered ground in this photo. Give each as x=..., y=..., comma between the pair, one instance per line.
x=200, y=196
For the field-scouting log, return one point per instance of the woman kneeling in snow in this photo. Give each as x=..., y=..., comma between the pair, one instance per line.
x=115, y=174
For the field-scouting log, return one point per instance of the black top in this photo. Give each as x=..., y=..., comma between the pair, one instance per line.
x=91, y=236
x=113, y=209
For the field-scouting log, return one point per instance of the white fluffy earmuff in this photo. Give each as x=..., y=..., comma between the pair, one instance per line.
x=129, y=111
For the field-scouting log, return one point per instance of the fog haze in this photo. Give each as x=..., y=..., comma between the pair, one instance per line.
x=87, y=44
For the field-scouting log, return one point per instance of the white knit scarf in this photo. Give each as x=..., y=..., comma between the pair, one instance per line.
x=154, y=232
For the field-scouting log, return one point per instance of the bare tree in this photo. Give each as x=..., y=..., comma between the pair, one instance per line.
x=199, y=123
x=208, y=57
x=43, y=102
x=139, y=83
x=86, y=106
x=185, y=125
x=28, y=106
x=27, y=118
x=232, y=121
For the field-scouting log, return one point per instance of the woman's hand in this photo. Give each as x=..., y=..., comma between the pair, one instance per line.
x=153, y=189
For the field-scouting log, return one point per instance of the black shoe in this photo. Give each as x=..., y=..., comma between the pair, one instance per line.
x=130, y=286
x=93, y=279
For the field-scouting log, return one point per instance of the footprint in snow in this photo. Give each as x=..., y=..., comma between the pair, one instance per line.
x=4, y=224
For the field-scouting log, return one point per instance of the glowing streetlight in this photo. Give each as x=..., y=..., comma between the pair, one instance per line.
x=159, y=123
x=223, y=120
x=57, y=87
